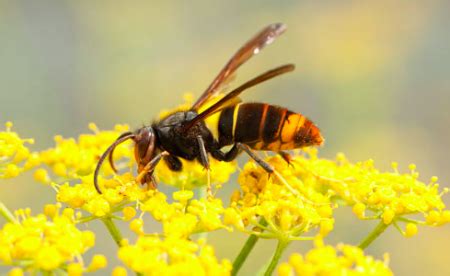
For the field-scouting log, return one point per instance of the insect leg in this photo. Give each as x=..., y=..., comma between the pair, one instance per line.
x=266, y=166
x=150, y=166
x=228, y=156
x=173, y=163
x=286, y=156
x=205, y=162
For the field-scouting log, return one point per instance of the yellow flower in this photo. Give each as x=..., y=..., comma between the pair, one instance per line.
x=75, y=269
x=119, y=271
x=72, y=159
x=184, y=217
x=289, y=205
x=389, y=196
x=15, y=272
x=327, y=260
x=194, y=175
x=15, y=157
x=411, y=230
x=129, y=212
x=172, y=256
x=44, y=242
x=98, y=262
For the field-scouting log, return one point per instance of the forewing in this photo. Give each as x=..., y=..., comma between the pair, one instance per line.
x=252, y=47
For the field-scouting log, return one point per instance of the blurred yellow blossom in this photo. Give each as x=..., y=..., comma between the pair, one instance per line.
x=15, y=157
x=75, y=158
x=44, y=242
x=328, y=260
x=172, y=256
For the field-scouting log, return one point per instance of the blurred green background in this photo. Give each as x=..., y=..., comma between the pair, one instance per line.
x=374, y=75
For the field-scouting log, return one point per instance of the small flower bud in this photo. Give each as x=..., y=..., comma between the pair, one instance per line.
x=74, y=269
x=411, y=230
x=387, y=216
x=119, y=271
x=98, y=262
x=128, y=213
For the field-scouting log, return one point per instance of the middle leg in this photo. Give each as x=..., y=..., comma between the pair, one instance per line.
x=204, y=160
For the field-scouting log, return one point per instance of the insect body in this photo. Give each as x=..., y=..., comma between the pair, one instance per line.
x=194, y=135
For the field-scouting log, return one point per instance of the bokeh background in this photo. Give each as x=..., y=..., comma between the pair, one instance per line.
x=374, y=75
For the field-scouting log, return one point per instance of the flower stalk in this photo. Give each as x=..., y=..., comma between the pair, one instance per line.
x=245, y=251
x=281, y=246
x=377, y=231
x=4, y=211
x=113, y=230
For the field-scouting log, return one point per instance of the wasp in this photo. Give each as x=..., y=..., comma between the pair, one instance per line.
x=246, y=127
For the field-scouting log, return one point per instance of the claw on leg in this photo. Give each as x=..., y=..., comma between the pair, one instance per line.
x=287, y=157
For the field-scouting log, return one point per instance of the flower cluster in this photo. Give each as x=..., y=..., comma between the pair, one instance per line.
x=73, y=162
x=328, y=260
x=294, y=203
x=194, y=175
x=183, y=217
x=281, y=204
x=47, y=242
x=15, y=157
x=172, y=256
x=119, y=191
x=72, y=159
x=389, y=196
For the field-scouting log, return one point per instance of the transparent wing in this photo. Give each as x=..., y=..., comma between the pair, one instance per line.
x=249, y=49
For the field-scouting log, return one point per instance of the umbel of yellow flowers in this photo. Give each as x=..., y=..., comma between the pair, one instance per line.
x=294, y=205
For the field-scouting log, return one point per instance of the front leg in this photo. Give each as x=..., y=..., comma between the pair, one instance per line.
x=145, y=174
x=173, y=162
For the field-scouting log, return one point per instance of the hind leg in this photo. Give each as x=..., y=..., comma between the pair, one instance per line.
x=266, y=166
x=286, y=156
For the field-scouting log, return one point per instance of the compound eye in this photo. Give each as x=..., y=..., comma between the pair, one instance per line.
x=145, y=145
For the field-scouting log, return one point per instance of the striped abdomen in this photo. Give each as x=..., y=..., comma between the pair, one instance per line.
x=266, y=127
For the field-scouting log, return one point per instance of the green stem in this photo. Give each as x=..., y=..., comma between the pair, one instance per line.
x=378, y=230
x=4, y=211
x=245, y=251
x=282, y=244
x=113, y=230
